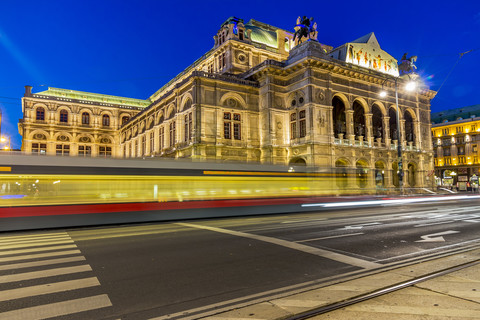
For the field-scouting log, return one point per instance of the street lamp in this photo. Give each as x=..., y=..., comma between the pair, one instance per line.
x=5, y=139
x=410, y=86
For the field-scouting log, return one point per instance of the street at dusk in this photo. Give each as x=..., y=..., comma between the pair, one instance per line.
x=262, y=160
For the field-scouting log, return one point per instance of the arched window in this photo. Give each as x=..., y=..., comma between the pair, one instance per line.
x=85, y=118
x=106, y=120
x=64, y=116
x=339, y=118
x=125, y=119
x=40, y=114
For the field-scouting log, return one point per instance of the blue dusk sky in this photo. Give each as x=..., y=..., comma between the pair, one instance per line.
x=132, y=48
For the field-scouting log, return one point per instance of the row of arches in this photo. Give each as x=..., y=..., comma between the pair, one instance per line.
x=378, y=130
x=361, y=171
x=42, y=135
x=85, y=117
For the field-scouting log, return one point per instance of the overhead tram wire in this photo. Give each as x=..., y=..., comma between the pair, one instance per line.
x=460, y=56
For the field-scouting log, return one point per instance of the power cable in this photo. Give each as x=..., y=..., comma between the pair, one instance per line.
x=460, y=56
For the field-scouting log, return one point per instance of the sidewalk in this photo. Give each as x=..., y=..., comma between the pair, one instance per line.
x=455, y=296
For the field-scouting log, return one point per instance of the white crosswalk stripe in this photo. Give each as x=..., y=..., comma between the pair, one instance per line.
x=42, y=257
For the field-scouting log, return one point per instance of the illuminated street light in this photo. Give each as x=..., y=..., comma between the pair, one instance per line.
x=5, y=139
x=410, y=86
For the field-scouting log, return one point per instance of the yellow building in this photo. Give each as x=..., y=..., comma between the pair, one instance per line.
x=74, y=123
x=258, y=96
x=456, y=139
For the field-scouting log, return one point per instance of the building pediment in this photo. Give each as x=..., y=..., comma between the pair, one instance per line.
x=366, y=52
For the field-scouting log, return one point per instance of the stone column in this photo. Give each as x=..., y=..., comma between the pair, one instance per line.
x=368, y=128
x=386, y=131
x=402, y=136
x=349, y=125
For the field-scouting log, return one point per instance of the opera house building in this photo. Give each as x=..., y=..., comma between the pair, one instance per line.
x=259, y=96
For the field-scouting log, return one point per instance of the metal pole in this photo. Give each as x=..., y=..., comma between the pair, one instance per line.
x=399, y=146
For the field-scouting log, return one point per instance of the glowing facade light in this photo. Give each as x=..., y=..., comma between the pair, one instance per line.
x=411, y=86
x=383, y=94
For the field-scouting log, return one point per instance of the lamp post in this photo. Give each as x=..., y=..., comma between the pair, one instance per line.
x=410, y=86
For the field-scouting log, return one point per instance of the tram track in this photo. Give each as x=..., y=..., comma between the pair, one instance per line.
x=380, y=292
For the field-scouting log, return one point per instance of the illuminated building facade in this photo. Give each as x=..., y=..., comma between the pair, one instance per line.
x=259, y=96
x=456, y=139
x=74, y=123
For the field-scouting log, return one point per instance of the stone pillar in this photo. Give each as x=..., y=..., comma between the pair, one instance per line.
x=349, y=125
x=403, y=138
x=386, y=131
x=368, y=128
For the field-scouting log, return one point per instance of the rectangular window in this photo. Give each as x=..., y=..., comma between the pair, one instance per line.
x=143, y=150
x=474, y=148
x=227, y=130
x=475, y=159
x=473, y=128
x=172, y=134
x=40, y=114
x=63, y=116
x=188, y=127
x=62, y=149
x=237, y=126
x=227, y=125
x=104, y=151
x=161, y=139
x=39, y=148
x=446, y=151
x=220, y=61
x=293, y=126
x=152, y=142
x=303, y=124
x=84, y=151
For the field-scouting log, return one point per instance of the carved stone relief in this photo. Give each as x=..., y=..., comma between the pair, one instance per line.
x=320, y=95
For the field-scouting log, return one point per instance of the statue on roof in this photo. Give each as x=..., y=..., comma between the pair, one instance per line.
x=407, y=65
x=305, y=28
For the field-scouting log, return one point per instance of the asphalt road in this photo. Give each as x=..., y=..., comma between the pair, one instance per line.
x=172, y=270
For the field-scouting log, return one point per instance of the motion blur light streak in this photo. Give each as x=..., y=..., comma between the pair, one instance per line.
x=386, y=202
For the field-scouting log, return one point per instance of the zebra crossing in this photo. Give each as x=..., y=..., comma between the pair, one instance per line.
x=39, y=273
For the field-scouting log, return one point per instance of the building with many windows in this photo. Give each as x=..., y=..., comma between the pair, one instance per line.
x=456, y=139
x=68, y=122
x=258, y=96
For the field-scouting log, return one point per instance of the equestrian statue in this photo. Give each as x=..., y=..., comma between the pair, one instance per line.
x=406, y=66
x=305, y=28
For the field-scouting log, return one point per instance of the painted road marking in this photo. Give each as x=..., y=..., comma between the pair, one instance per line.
x=32, y=238
x=28, y=245
x=359, y=226
x=40, y=255
x=52, y=248
x=295, y=246
x=332, y=237
x=44, y=273
x=15, y=266
x=436, y=237
x=432, y=223
x=48, y=288
x=58, y=309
